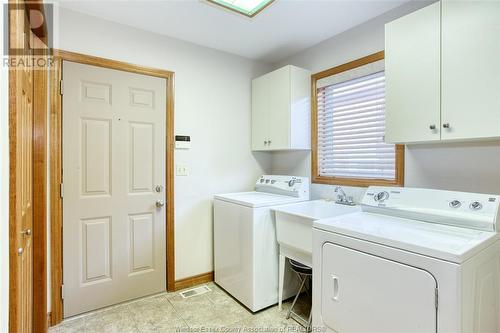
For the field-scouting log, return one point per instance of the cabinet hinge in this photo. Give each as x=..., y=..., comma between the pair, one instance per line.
x=436, y=297
x=61, y=87
x=61, y=190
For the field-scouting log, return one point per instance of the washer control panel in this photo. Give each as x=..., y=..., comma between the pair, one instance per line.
x=473, y=210
x=284, y=185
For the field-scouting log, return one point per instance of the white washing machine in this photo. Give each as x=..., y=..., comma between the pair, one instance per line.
x=245, y=247
x=414, y=260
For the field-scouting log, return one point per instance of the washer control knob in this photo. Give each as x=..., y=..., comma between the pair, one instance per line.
x=267, y=181
x=262, y=180
x=455, y=204
x=291, y=182
x=476, y=205
x=381, y=196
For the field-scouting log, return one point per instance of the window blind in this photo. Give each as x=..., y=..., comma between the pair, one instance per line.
x=351, y=128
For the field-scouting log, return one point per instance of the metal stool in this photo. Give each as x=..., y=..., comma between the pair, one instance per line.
x=304, y=273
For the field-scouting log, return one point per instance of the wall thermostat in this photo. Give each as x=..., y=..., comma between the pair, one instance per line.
x=182, y=142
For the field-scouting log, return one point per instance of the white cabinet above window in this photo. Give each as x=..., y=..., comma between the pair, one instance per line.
x=281, y=110
x=443, y=73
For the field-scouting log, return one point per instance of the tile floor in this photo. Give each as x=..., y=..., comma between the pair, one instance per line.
x=214, y=311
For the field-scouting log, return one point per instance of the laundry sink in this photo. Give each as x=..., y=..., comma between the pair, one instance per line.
x=294, y=222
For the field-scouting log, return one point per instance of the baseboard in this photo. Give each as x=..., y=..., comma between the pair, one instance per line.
x=194, y=280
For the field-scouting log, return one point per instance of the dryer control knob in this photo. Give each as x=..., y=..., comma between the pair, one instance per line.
x=476, y=205
x=381, y=196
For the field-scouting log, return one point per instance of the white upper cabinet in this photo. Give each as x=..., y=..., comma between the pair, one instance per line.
x=281, y=110
x=470, y=69
x=412, y=59
x=443, y=73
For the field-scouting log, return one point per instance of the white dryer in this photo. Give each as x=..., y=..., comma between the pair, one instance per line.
x=245, y=247
x=413, y=261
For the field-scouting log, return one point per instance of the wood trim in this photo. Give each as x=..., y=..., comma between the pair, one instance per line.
x=112, y=64
x=237, y=11
x=194, y=280
x=55, y=197
x=39, y=176
x=315, y=177
x=56, y=165
x=347, y=66
x=14, y=222
x=40, y=99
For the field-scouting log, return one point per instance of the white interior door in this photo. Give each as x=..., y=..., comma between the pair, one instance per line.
x=113, y=160
x=362, y=293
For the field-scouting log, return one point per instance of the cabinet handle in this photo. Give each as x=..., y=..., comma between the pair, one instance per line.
x=269, y=142
x=432, y=127
x=446, y=125
x=265, y=142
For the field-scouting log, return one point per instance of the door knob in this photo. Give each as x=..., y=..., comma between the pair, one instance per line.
x=26, y=232
x=160, y=203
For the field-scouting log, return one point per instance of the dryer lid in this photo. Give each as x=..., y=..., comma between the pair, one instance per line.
x=440, y=241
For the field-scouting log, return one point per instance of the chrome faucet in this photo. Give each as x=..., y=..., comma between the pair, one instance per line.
x=342, y=198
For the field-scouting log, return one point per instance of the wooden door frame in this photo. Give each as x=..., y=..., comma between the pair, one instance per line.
x=56, y=165
x=39, y=178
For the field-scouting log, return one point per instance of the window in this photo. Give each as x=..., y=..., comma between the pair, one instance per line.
x=348, y=127
x=248, y=8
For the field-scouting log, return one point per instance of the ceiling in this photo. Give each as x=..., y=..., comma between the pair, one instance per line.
x=284, y=28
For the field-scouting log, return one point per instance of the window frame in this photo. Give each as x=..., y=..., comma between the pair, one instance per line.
x=362, y=182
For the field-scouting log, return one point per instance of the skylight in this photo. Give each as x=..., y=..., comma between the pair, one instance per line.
x=249, y=8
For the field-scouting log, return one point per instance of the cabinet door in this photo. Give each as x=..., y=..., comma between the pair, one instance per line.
x=365, y=293
x=260, y=113
x=279, y=109
x=412, y=69
x=470, y=69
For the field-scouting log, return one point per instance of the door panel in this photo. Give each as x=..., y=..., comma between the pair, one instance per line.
x=113, y=159
x=96, y=249
x=96, y=149
x=142, y=242
x=387, y=296
x=470, y=69
x=412, y=62
x=141, y=157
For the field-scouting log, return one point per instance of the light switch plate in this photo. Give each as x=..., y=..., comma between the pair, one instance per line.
x=181, y=170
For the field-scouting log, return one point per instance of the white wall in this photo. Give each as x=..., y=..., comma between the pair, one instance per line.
x=212, y=104
x=470, y=167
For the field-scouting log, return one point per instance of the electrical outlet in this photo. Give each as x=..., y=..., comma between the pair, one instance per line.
x=181, y=170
